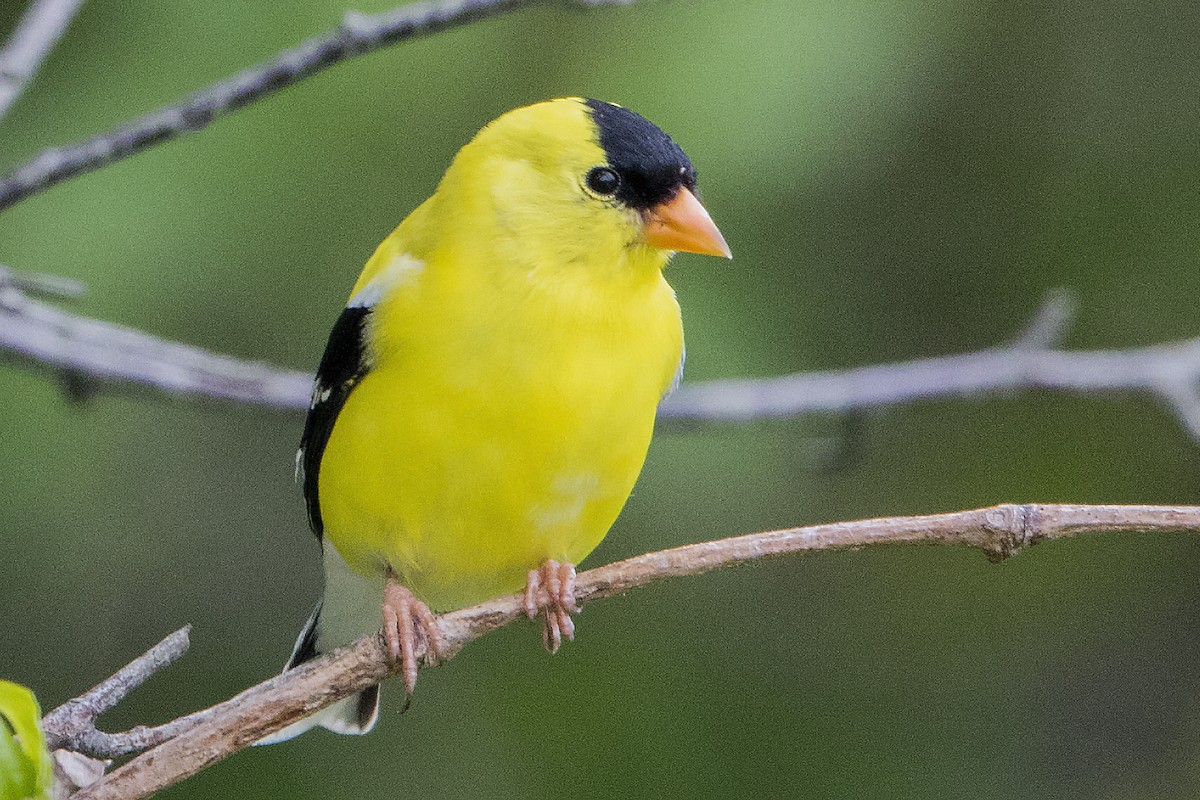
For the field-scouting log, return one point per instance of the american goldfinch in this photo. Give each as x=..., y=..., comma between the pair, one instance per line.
x=487, y=396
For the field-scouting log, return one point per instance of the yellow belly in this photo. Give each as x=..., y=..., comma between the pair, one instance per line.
x=462, y=464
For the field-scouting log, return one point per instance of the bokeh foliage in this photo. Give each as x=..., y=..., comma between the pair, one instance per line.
x=25, y=769
x=896, y=178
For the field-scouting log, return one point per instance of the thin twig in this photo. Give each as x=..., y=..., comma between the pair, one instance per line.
x=1169, y=371
x=1051, y=323
x=1000, y=531
x=73, y=724
x=42, y=335
x=31, y=41
x=40, y=283
x=357, y=35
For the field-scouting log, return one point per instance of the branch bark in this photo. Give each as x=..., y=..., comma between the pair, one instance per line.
x=211, y=735
x=43, y=24
x=357, y=35
x=73, y=724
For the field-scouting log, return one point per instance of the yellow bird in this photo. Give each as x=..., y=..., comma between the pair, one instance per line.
x=487, y=396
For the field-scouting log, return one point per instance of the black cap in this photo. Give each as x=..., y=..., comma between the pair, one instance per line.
x=652, y=167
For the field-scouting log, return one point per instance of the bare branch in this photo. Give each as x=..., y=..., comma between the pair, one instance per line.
x=999, y=531
x=42, y=335
x=41, y=283
x=31, y=41
x=73, y=724
x=358, y=34
x=1051, y=323
x=1169, y=371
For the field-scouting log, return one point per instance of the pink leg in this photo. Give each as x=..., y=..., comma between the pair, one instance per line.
x=406, y=622
x=550, y=591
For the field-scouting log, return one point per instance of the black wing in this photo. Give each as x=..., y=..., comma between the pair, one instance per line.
x=343, y=367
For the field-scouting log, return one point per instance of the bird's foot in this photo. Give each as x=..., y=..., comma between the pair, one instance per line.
x=550, y=591
x=408, y=623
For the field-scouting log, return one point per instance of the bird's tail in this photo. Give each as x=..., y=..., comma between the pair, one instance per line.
x=349, y=609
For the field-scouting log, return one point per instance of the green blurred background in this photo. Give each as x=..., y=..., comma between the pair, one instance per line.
x=897, y=179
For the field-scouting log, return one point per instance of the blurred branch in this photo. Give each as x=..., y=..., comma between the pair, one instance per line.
x=38, y=283
x=1169, y=371
x=43, y=335
x=357, y=35
x=35, y=35
x=217, y=732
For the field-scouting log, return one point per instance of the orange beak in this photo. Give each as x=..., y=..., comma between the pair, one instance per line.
x=682, y=224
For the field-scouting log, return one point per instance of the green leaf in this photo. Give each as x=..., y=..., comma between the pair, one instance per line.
x=25, y=770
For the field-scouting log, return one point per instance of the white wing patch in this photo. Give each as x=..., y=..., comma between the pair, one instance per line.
x=319, y=395
x=399, y=271
x=403, y=269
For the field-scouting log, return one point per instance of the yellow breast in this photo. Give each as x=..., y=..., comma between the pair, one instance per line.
x=504, y=423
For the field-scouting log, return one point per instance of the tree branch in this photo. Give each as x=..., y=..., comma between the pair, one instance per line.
x=1169, y=371
x=31, y=41
x=42, y=335
x=73, y=724
x=215, y=733
x=357, y=35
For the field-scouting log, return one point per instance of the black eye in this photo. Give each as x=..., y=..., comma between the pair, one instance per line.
x=603, y=180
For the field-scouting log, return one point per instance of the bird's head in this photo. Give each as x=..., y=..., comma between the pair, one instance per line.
x=581, y=181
